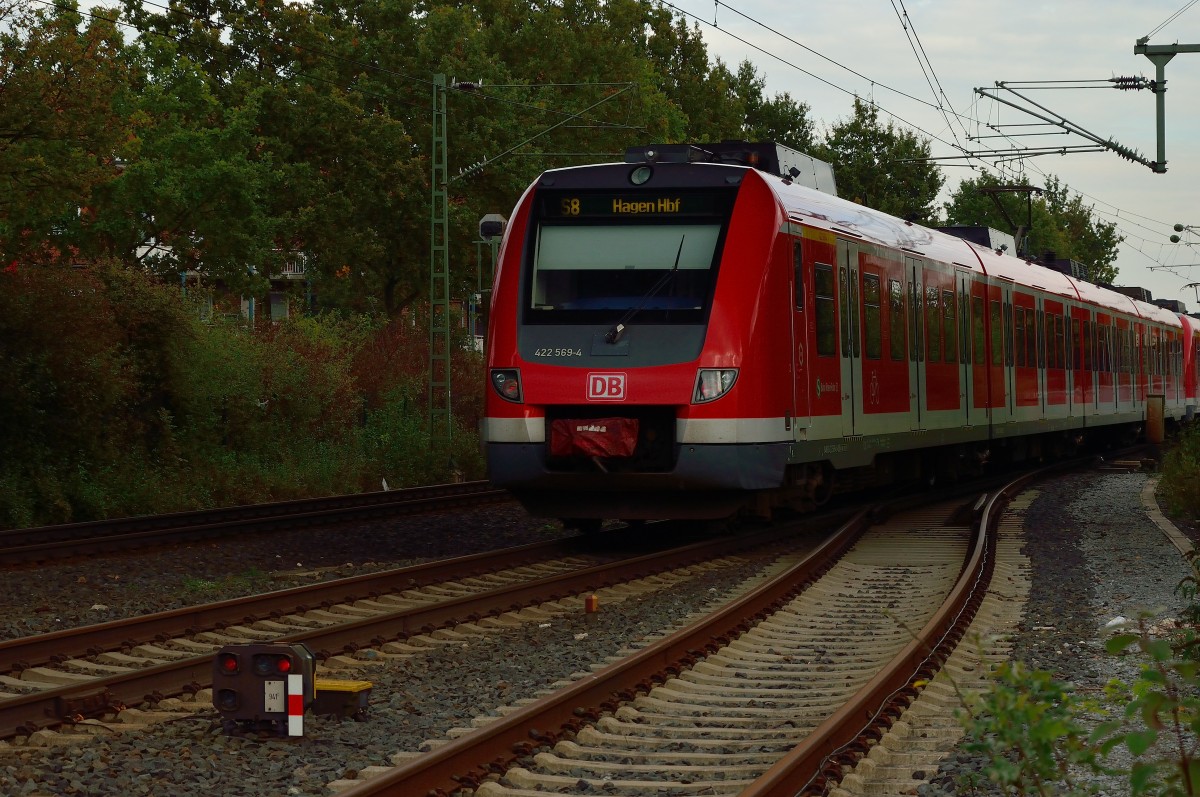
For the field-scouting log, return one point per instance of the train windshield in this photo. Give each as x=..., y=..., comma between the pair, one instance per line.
x=588, y=270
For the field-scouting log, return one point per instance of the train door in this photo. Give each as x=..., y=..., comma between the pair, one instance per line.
x=965, y=383
x=848, y=326
x=1026, y=374
x=1007, y=335
x=1106, y=393
x=916, y=344
x=801, y=345
x=979, y=390
x=1056, y=396
x=999, y=351
x=1123, y=359
x=1081, y=365
x=1041, y=356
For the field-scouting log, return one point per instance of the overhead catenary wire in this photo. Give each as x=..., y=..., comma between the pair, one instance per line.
x=977, y=163
x=931, y=78
x=1171, y=18
x=1121, y=216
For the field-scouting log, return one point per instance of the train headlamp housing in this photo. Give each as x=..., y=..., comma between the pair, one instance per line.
x=712, y=383
x=507, y=384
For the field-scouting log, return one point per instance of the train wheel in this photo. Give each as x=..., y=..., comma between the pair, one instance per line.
x=822, y=485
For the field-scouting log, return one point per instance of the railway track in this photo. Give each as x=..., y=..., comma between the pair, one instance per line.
x=63, y=678
x=780, y=692
x=33, y=545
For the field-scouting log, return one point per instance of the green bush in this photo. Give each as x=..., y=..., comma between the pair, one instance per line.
x=123, y=401
x=1181, y=474
x=1028, y=726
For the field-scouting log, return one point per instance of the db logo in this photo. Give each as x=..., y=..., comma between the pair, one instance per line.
x=606, y=387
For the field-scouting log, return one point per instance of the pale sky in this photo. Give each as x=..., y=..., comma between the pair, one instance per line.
x=976, y=43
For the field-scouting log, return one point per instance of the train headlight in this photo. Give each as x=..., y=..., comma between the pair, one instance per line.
x=507, y=382
x=712, y=383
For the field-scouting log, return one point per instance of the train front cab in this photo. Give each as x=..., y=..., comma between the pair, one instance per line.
x=626, y=306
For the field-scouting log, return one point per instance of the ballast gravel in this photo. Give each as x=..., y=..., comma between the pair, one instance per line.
x=1094, y=555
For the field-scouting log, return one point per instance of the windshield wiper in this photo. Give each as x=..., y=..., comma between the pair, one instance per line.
x=614, y=333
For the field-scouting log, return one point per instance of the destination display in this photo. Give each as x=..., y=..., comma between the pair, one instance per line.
x=632, y=205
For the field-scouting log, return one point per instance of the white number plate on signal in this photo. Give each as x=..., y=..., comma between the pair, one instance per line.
x=275, y=696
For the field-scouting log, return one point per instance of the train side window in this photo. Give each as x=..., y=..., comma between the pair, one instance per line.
x=798, y=269
x=997, y=333
x=1052, y=335
x=1060, y=342
x=826, y=317
x=1040, y=324
x=1088, y=348
x=896, y=318
x=949, y=319
x=872, y=318
x=854, y=328
x=916, y=352
x=978, y=338
x=1077, y=337
x=1019, y=336
x=1008, y=333
x=1104, y=348
x=933, y=325
x=1033, y=341
x=964, y=326
x=844, y=300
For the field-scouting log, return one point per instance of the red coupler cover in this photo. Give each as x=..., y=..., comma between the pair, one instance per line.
x=593, y=437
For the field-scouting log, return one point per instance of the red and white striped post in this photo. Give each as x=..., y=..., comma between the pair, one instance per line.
x=295, y=704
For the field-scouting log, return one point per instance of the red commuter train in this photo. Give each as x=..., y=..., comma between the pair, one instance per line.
x=703, y=330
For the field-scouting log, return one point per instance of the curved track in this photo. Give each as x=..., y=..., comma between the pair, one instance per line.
x=777, y=693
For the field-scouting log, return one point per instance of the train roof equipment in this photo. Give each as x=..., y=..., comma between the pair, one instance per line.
x=766, y=156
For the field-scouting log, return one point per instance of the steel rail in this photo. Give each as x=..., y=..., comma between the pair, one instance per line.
x=466, y=761
x=815, y=764
x=51, y=707
x=55, y=542
x=32, y=651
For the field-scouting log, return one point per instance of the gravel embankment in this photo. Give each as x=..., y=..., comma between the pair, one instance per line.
x=413, y=700
x=1095, y=555
x=50, y=597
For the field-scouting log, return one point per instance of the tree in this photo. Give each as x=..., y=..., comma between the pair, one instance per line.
x=1087, y=239
x=192, y=194
x=1057, y=222
x=882, y=167
x=63, y=95
x=780, y=119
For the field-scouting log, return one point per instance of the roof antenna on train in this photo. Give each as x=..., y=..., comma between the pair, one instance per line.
x=618, y=329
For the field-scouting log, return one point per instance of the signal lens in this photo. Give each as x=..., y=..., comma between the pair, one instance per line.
x=507, y=383
x=267, y=664
x=228, y=663
x=712, y=383
x=228, y=700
